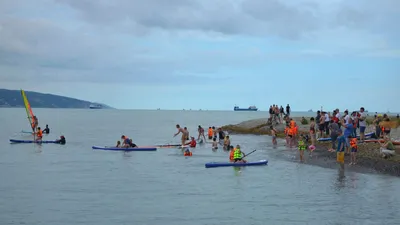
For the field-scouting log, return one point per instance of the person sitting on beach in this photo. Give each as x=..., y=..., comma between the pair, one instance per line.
x=187, y=152
x=215, y=144
x=387, y=148
x=238, y=155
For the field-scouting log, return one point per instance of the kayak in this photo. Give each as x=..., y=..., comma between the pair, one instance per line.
x=32, y=141
x=382, y=141
x=226, y=164
x=125, y=149
x=358, y=136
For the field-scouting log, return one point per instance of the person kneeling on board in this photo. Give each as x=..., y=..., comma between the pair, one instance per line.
x=61, y=140
x=187, y=152
x=238, y=155
x=192, y=143
x=127, y=143
x=39, y=134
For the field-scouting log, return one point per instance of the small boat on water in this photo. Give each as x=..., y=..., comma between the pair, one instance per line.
x=251, y=108
x=95, y=106
x=310, y=110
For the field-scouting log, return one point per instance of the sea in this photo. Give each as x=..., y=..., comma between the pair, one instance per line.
x=73, y=184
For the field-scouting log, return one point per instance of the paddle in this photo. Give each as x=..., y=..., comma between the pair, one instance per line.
x=245, y=155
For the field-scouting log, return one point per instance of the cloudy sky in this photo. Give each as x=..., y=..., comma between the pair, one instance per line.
x=209, y=54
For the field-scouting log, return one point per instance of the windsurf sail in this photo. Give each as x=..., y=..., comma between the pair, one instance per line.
x=28, y=109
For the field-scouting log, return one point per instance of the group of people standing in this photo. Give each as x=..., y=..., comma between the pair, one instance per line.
x=277, y=113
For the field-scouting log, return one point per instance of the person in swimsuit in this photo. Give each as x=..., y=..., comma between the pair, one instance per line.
x=35, y=123
x=227, y=143
x=273, y=134
x=201, y=133
x=184, y=133
x=187, y=133
x=214, y=144
x=312, y=131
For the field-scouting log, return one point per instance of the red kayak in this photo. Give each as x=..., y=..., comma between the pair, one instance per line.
x=381, y=141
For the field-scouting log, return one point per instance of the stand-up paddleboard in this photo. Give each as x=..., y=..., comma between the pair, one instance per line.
x=124, y=149
x=32, y=141
x=238, y=164
x=358, y=136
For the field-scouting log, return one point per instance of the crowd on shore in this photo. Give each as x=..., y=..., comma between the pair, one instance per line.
x=341, y=128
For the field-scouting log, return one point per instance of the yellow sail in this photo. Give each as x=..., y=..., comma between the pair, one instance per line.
x=28, y=109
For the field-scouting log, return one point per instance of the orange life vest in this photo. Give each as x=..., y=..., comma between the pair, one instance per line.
x=187, y=154
x=353, y=142
x=231, y=154
x=210, y=132
x=40, y=133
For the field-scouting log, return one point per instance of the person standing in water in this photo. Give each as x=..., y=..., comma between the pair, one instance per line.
x=39, y=134
x=35, y=123
x=184, y=133
x=187, y=133
x=46, y=130
x=201, y=133
x=273, y=134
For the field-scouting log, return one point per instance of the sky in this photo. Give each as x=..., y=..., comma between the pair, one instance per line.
x=205, y=54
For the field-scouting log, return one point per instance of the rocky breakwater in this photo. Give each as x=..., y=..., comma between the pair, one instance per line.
x=368, y=155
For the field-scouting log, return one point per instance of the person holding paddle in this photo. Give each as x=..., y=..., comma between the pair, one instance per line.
x=238, y=155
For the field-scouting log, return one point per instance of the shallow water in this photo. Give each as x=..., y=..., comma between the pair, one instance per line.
x=73, y=184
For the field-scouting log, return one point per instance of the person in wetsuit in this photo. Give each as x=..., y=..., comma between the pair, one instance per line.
x=61, y=141
x=46, y=130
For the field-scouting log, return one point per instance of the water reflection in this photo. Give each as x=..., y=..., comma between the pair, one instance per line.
x=340, y=181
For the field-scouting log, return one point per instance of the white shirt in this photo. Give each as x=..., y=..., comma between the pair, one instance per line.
x=346, y=118
x=327, y=119
x=362, y=123
x=338, y=115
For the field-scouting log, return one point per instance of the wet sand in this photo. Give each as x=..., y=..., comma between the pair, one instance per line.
x=368, y=156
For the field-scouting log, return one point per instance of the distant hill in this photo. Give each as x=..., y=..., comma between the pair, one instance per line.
x=13, y=98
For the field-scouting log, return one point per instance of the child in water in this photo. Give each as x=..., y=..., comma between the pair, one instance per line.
x=302, y=147
x=231, y=153
x=215, y=143
x=118, y=144
x=273, y=134
x=187, y=152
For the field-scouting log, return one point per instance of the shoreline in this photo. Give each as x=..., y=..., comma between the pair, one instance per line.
x=368, y=157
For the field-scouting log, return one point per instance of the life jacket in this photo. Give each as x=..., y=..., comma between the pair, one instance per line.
x=40, y=133
x=187, y=153
x=301, y=145
x=290, y=131
x=353, y=142
x=237, y=154
x=292, y=124
x=210, y=132
x=231, y=154
x=193, y=143
x=286, y=131
x=296, y=129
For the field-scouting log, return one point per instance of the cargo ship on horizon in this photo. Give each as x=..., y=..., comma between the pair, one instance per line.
x=251, y=108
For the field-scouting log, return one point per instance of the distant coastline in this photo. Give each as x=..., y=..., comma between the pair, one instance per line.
x=13, y=99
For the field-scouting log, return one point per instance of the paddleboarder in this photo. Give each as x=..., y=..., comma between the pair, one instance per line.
x=184, y=133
